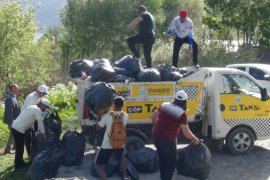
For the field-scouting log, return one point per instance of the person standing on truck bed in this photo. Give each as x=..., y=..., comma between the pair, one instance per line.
x=104, y=153
x=146, y=35
x=182, y=27
x=167, y=121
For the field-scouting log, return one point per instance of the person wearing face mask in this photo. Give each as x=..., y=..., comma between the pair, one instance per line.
x=24, y=122
x=167, y=122
x=146, y=35
x=182, y=28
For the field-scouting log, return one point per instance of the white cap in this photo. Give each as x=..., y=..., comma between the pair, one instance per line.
x=181, y=95
x=46, y=102
x=42, y=89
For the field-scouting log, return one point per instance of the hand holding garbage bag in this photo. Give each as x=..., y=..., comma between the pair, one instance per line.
x=194, y=161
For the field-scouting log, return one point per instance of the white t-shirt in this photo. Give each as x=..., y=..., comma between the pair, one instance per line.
x=27, y=119
x=182, y=29
x=107, y=121
x=31, y=99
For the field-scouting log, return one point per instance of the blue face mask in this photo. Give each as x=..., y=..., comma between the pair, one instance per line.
x=44, y=114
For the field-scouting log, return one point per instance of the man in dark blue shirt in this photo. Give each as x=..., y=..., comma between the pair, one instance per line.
x=12, y=110
x=146, y=35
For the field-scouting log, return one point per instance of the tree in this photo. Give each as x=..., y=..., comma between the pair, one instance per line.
x=248, y=18
x=22, y=59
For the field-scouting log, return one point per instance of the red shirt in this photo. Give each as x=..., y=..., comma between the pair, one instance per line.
x=169, y=119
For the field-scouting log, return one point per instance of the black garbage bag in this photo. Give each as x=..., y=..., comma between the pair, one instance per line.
x=74, y=145
x=122, y=71
x=108, y=168
x=131, y=170
x=102, y=71
x=148, y=75
x=47, y=163
x=194, y=161
x=93, y=136
x=172, y=76
x=53, y=123
x=39, y=143
x=145, y=160
x=133, y=65
x=79, y=66
x=98, y=96
x=121, y=78
x=168, y=72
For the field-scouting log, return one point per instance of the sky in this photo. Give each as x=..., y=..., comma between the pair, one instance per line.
x=47, y=13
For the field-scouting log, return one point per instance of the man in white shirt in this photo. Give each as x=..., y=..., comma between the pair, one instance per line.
x=33, y=99
x=24, y=122
x=182, y=27
x=104, y=153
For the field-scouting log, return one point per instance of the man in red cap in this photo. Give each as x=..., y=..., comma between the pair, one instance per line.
x=182, y=27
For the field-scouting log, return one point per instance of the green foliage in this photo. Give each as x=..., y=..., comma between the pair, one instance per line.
x=63, y=99
x=4, y=132
x=249, y=19
x=98, y=28
x=22, y=60
x=63, y=96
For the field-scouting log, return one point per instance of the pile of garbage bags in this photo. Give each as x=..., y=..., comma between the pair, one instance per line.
x=125, y=69
x=48, y=154
x=144, y=160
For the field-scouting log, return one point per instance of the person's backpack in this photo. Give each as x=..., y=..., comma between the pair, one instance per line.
x=118, y=133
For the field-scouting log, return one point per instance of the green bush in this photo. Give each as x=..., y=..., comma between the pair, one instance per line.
x=63, y=99
x=4, y=132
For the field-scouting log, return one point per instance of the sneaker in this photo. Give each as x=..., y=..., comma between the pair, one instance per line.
x=195, y=66
x=9, y=152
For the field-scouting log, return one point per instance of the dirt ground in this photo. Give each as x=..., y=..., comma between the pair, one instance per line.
x=224, y=166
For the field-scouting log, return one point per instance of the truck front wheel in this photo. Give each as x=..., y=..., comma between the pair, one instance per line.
x=133, y=143
x=240, y=141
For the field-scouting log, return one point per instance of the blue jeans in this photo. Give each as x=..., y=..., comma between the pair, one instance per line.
x=167, y=158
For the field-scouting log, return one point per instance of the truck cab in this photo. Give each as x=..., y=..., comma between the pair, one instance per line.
x=229, y=105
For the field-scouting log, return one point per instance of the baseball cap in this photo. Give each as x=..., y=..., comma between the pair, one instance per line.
x=42, y=89
x=181, y=95
x=46, y=102
x=183, y=13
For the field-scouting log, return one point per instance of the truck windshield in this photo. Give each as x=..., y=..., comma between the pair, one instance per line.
x=239, y=84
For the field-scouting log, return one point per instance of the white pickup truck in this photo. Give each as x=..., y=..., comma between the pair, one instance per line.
x=226, y=105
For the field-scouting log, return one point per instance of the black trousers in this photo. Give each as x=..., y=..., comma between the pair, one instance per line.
x=178, y=42
x=147, y=40
x=28, y=136
x=19, y=142
x=167, y=158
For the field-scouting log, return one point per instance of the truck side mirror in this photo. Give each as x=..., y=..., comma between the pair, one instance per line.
x=264, y=94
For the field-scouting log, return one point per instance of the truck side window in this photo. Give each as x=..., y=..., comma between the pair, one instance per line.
x=239, y=84
x=228, y=84
x=241, y=68
x=256, y=73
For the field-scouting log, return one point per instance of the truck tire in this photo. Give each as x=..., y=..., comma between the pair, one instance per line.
x=133, y=143
x=240, y=141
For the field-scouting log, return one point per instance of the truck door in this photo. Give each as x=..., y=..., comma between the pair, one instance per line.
x=246, y=116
